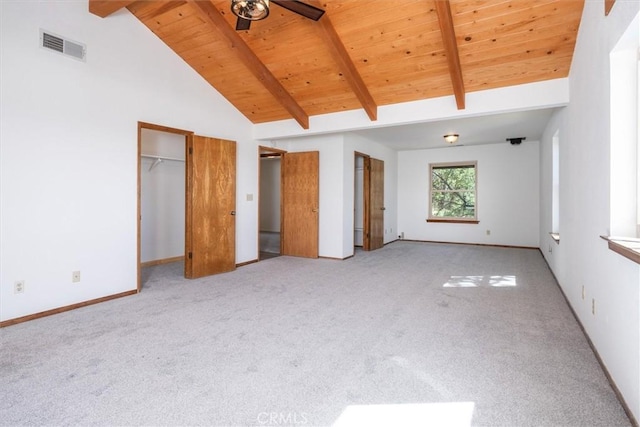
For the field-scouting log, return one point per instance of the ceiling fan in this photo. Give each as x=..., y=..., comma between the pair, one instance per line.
x=255, y=10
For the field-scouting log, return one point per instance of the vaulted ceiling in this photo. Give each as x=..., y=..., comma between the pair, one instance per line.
x=363, y=53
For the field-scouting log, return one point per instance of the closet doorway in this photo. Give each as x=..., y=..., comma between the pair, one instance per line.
x=198, y=213
x=358, y=203
x=368, y=202
x=269, y=223
x=161, y=196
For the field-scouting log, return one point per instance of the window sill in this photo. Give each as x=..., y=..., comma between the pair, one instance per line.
x=628, y=247
x=454, y=221
x=555, y=236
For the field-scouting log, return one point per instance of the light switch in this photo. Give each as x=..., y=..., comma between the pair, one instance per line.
x=249, y=197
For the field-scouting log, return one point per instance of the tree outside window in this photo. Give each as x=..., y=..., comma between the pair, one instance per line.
x=453, y=191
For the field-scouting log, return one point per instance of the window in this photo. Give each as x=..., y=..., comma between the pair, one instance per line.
x=452, y=195
x=624, y=232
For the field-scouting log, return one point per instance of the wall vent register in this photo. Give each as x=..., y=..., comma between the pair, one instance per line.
x=64, y=46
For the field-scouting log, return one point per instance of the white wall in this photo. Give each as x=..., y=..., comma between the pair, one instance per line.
x=162, y=196
x=582, y=258
x=69, y=150
x=270, y=194
x=508, y=194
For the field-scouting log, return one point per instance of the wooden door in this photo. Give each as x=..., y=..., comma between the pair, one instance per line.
x=300, y=203
x=373, y=204
x=210, y=240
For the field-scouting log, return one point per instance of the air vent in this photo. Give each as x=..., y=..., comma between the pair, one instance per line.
x=61, y=45
x=52, y=42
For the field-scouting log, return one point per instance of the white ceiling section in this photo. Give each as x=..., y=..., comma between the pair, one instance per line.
x=490, y=116
x=472, y=130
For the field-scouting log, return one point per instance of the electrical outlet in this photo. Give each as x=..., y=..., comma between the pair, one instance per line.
x=75, y=276
x=488, y=232
x=18, y=287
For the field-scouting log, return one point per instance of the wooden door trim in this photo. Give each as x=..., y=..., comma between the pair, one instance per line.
x=151, y=126
x=270, y=150
x=366, y=180
x=187, y=207
x=365, y=197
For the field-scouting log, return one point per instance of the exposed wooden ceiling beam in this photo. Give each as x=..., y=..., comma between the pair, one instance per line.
x=341, y=56
x=104, y=8
x=211, y=15
x=608, y=4
x=443, y=8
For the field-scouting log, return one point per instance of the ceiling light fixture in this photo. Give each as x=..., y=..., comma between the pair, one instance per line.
x=253, y=10
x=451, y=137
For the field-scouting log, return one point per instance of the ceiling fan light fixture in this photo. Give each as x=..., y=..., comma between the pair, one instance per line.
x=451, y=138
x=253, y=10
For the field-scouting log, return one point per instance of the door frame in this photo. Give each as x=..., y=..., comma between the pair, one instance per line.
x=151, y=126
x=264, y=151
x=366, y=196
x=366, y=199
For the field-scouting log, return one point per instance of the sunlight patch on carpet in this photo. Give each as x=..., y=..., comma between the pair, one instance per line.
x=449, y=414
x=499, y=281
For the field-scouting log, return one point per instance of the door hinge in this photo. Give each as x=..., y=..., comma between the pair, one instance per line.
x=190, y=150
x=190, y=255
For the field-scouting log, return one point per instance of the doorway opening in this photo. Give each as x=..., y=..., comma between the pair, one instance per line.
x=368, y=203
x=358, y=203
x=269, y=222
x=207, y=232
x=161, y=200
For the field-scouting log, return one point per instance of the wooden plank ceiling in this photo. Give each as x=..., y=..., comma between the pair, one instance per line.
x=363, y=54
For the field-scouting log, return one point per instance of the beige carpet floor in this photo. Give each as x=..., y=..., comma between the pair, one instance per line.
x=411, y=334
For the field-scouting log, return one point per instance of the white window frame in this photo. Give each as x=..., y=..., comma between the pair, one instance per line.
x=464, y=220
x=624, y=232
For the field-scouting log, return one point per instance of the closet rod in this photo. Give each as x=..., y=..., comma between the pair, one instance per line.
x=155, y=156
x=159, y=159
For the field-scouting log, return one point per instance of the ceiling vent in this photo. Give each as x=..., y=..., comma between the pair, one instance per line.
x=61, y=45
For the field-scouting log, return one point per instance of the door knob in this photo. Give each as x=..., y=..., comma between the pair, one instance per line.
x=233, y=212
x=383, y=208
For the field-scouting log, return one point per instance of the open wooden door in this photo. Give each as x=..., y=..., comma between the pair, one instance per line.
x=300, y=200
x=373, y=204
x=210, y=240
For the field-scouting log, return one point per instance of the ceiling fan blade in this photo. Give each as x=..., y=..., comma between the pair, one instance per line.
x=242, y=24
x=300, y=8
